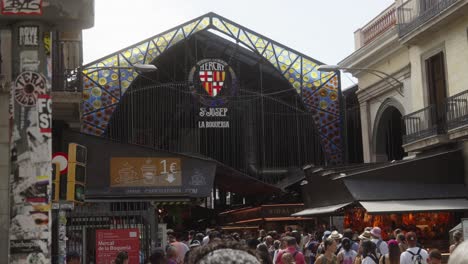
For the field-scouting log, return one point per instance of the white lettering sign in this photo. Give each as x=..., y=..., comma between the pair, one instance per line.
x=29, y=36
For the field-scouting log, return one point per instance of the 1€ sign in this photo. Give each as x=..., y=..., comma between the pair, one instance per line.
x=44, y=110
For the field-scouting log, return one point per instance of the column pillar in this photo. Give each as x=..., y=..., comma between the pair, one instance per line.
x=365, y=131
x=30, y=144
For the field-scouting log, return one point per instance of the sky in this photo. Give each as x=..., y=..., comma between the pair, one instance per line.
x=323, y=30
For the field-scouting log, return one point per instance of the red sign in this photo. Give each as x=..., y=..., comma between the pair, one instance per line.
x=110, y=242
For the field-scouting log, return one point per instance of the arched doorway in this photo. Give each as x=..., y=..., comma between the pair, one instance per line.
x=389, y=135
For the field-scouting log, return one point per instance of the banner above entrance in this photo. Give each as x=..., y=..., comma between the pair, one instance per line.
x=125, y=171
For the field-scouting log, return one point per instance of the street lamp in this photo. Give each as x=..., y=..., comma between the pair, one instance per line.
x=137, y=67
x=385, y=77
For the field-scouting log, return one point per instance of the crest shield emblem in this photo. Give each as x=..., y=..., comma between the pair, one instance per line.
x=212, y=76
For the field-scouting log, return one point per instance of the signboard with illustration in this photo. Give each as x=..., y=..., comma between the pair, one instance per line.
x=130, y=172
x=109, y=242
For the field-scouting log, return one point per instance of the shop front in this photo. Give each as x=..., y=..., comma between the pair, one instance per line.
x=269, y=217
x=426, y=195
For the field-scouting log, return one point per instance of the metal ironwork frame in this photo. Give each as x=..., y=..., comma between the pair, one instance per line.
x=319, y=91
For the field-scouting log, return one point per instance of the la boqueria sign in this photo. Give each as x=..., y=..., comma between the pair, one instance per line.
x=122, y=170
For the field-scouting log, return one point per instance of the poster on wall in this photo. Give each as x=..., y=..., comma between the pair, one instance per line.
x=21, y=7
x=109, y=242
x=30, y=170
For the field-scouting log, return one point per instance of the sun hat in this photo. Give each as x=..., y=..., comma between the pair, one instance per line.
x=376, y=232
x=195, y=243
x=326, y=234
x=336, y=235
x=366, y=235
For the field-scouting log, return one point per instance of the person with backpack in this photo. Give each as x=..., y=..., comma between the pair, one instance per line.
x=291, y=249
x=347, y=255
x=414, y=254
x=381, y=246
x=310, y=249
x=369, y=255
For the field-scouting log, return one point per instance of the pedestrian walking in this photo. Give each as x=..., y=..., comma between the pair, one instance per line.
x=369, y=255
x=435, y=257
x=287, y=258
x=328, y=257
x=414, y=254
x=292, y=249
x=121, y=258
x=365, y=236
x=459, y=255
x=321, y=248
x=458, y=238
x=158, y=256
x=347, y=255
x=337, y=237
x=393, y=256
x=381, y=246
x=402, y=242
x=263, y=254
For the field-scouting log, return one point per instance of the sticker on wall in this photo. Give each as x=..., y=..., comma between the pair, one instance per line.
x=29, y=60
x=28, y=86
x=30, y=170
x=21, y=7
x=28, y=36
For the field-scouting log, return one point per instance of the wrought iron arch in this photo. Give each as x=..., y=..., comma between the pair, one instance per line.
x=320, y=91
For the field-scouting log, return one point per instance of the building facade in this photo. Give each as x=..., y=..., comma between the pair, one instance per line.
x=38, y=40
x=423, y=45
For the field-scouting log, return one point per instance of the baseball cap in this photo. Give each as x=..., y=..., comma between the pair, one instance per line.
x=411, y=236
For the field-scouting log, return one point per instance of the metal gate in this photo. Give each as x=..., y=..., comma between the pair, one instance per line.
x=83, y=221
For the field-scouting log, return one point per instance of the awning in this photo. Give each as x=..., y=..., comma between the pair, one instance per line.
x=398, y=206
x=321, y=210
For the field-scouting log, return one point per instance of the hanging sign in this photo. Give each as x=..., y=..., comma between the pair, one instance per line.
x=213, y=82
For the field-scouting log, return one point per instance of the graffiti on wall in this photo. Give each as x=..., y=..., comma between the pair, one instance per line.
x=21, y=7
x=30, y=170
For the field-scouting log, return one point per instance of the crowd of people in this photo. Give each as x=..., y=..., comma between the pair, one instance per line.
x=294, y=247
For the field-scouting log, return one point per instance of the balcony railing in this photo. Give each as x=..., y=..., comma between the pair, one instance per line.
x=379, y=25
x=457, y=110
x=66, y=81
x=414, y=13
x=422, y=124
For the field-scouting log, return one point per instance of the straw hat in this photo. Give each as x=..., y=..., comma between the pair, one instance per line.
x=366, y=235
x=336, y=235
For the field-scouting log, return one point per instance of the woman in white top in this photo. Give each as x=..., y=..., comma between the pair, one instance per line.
x=368, y=253
x=346, y=255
